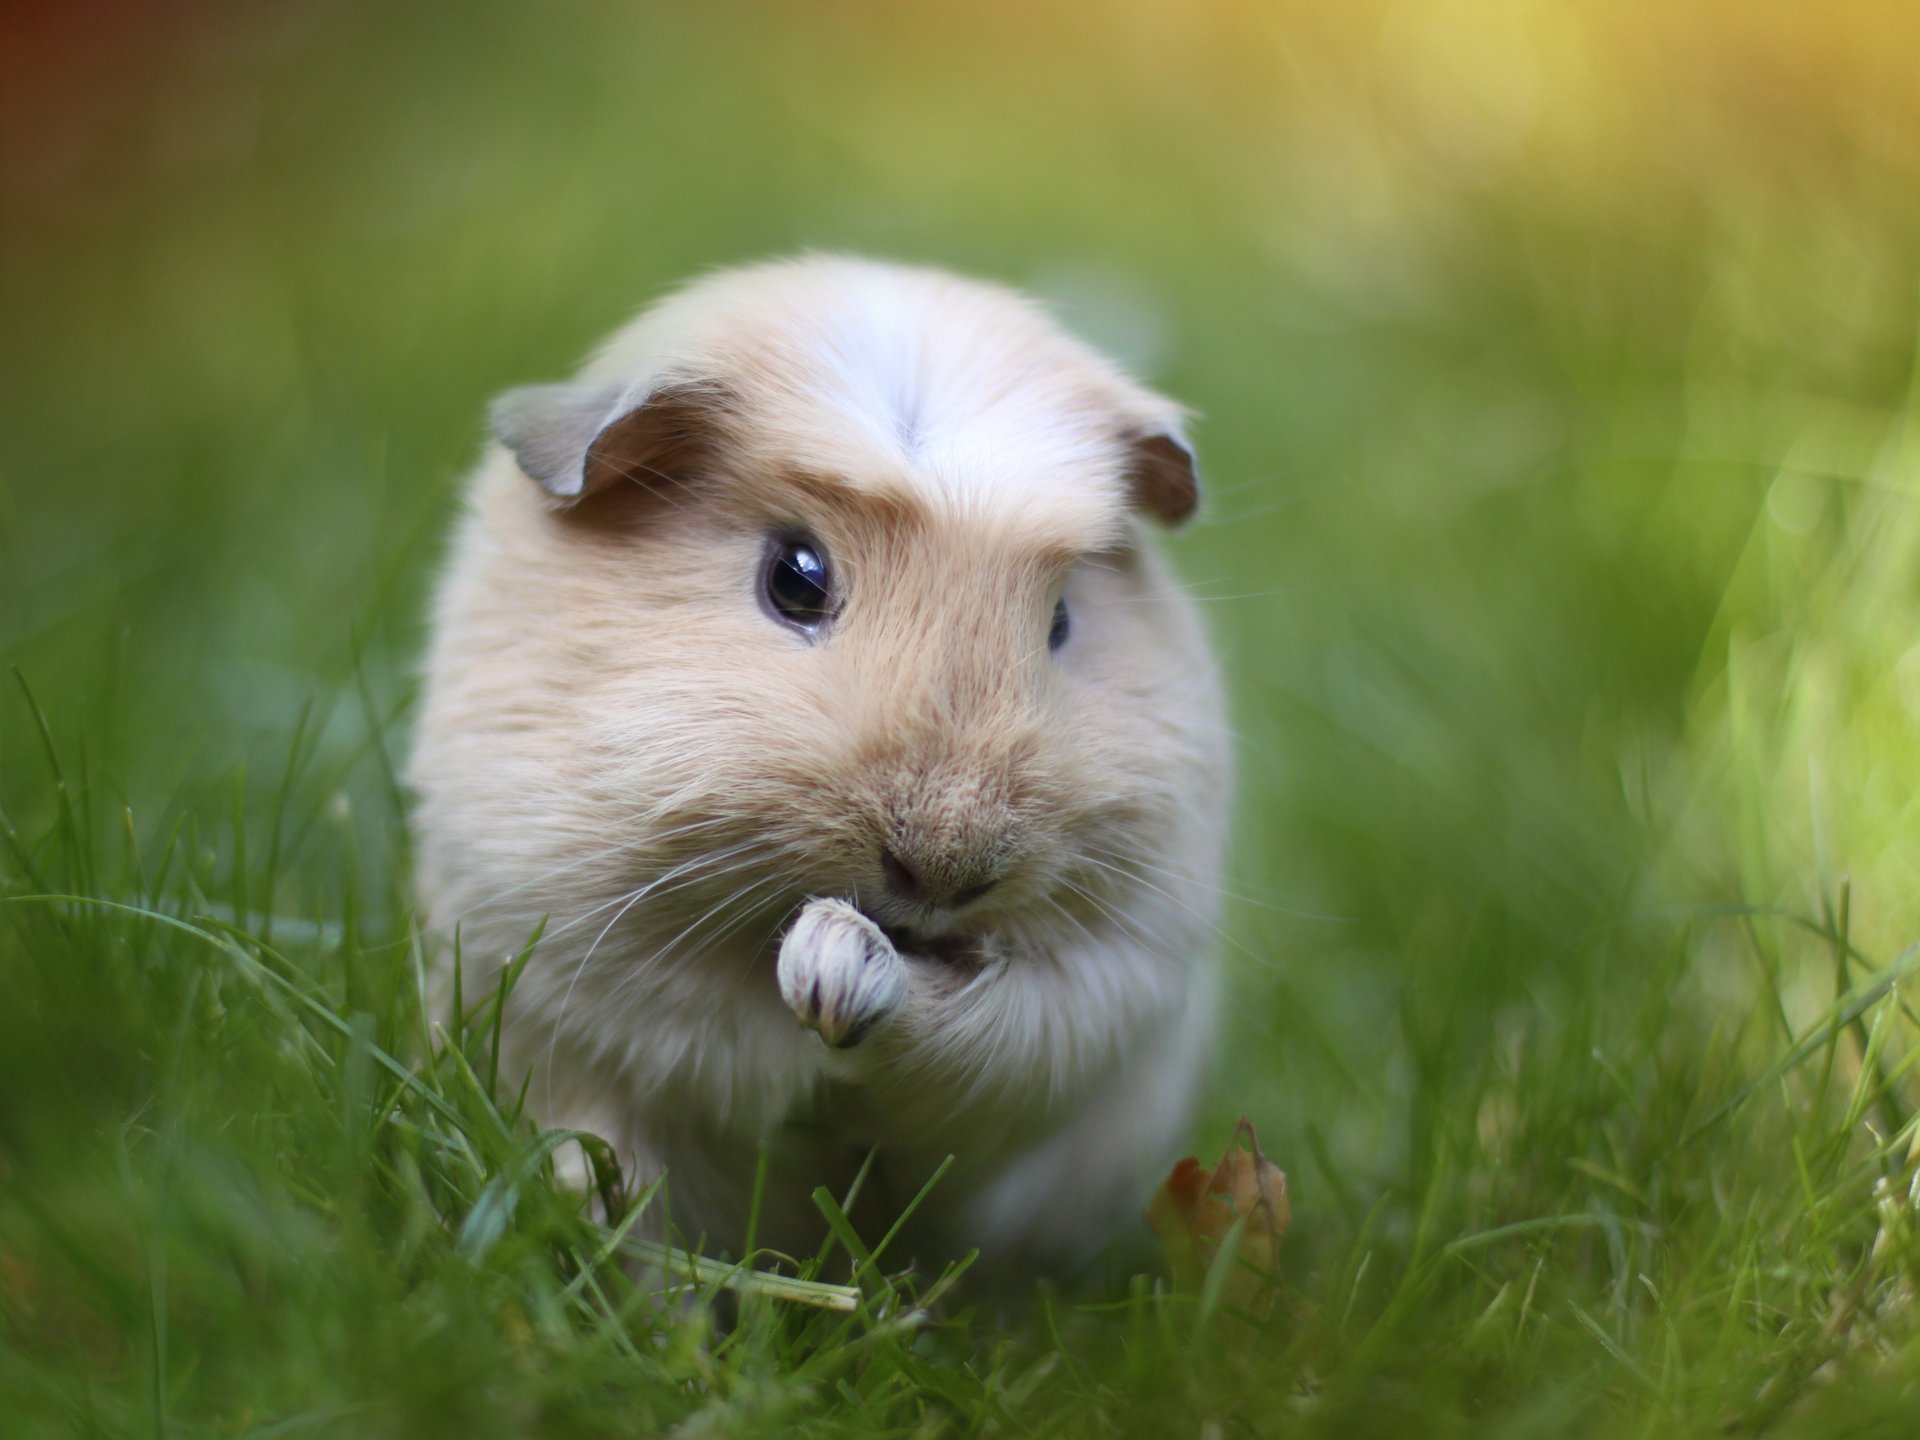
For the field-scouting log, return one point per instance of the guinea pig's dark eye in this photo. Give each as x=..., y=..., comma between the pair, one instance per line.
x=1057, y=636
x=797, y=586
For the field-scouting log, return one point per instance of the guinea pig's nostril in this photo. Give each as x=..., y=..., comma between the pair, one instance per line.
x=911, y=884
x=899, y=874
x=971, y=894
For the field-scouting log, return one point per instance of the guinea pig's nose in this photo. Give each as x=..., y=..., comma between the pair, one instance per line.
x=911, y=884
x=900, y=874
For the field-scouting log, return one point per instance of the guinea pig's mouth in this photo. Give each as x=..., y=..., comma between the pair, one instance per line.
x=950, y=946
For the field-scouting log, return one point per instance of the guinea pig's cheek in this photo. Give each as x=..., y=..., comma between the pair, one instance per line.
x=1042, y=872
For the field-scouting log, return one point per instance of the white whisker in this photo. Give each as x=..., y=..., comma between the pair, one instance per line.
x=1188, y=878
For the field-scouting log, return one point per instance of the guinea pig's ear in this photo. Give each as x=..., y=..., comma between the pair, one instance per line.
x=1161, y=475
x=576, y=441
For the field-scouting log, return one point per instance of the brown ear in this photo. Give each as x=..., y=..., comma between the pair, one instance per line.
x=1162, y=477
x=577, y=441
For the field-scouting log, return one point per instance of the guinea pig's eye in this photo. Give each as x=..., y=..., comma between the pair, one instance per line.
x=1057, y=636
x=797, y=586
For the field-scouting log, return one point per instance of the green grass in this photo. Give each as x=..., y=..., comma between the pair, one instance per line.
x=1557, y=372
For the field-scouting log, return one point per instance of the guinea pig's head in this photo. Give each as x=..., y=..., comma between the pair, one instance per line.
x=835, y=578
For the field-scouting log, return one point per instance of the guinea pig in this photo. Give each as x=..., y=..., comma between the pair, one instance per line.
x=806, y=674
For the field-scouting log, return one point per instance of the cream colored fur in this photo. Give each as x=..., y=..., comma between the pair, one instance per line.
x=619, y=740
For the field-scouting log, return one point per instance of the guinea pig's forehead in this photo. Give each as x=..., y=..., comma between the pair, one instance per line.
x=1040, y=532
x=1056, y=486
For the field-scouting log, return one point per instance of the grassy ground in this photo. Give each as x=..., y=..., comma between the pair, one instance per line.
x=1557, y=367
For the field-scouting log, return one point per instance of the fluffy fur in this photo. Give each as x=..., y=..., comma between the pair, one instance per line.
x=618, y=739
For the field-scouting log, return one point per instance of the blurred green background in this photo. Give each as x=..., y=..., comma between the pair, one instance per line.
x=1555, y=366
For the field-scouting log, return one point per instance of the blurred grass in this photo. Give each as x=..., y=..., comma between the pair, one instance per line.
x=1557, y=373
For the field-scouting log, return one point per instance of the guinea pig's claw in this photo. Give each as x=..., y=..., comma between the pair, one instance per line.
x=839, y=973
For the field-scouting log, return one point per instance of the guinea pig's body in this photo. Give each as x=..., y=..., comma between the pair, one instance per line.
x=809, y=657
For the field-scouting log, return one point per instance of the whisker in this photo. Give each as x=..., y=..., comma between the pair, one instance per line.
x=664, y=951
x=566, y=999
x=1088, y=852
x=650, y=837
x=1219, y=930
x=1120, y=922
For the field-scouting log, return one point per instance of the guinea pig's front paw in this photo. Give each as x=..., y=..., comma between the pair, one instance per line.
x=839, y=973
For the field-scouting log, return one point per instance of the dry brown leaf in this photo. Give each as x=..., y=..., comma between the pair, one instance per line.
x=1194, y=1210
